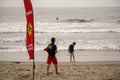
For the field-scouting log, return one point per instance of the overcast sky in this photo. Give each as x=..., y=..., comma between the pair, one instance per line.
x=62, y=3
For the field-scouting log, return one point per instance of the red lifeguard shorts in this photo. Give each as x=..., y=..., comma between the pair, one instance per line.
x=52, y=59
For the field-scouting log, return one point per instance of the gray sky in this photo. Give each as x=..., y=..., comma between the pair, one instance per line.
x=62, y=3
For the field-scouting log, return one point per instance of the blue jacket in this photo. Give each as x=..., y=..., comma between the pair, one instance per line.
x=52, y=48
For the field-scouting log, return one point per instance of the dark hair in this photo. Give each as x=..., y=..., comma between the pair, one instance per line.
x=74, y=43
x=52, y=39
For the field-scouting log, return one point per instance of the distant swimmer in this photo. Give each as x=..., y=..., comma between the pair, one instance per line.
x=57, y=18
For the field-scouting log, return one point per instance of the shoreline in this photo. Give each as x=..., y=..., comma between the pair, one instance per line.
x=85, y=41
x=62, y=56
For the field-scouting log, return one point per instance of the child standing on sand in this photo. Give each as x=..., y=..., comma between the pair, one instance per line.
x=71, y=51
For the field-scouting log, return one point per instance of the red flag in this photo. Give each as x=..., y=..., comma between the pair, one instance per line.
x=29, y=28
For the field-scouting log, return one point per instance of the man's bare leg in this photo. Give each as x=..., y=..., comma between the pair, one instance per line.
x=48, y=69
x=56, y=68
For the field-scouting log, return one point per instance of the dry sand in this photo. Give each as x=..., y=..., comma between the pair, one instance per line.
x=67, y=71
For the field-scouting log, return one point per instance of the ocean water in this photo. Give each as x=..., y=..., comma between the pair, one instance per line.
x=91, y=28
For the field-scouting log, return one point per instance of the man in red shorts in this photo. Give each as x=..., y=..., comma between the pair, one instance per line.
x=52, y=50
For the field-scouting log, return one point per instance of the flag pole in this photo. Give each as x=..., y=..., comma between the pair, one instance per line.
x=33, y=49
x=33, y=69
x=30, y=31
x=33, y=53
x=33, y=58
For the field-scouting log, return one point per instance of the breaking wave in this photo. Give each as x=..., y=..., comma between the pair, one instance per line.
x=62, y=27
x=12, y=39
x=67, y=31
x=82, y=31
x=78, y=20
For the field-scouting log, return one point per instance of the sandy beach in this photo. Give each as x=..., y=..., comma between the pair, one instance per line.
x=67, y=71
x=89, y=65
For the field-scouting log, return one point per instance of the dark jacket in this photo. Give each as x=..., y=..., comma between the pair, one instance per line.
x=71, y=48
x=52, y=48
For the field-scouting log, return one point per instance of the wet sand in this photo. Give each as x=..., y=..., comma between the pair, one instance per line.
x=62, y=55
